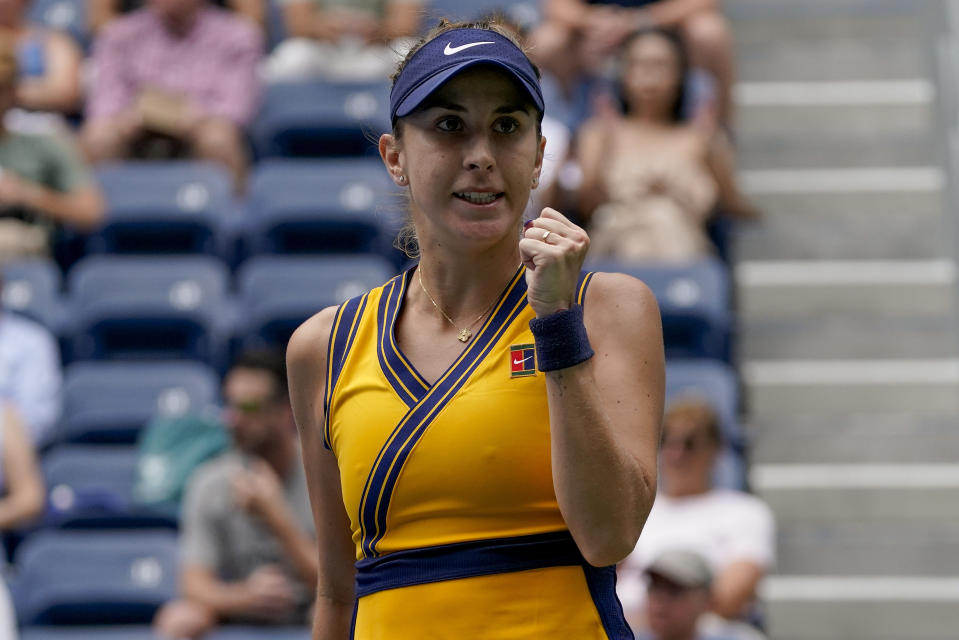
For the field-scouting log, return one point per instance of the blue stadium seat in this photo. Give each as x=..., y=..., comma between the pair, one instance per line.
x=109, y=402
x=277, y=293
x=86, y=577
x=63, y=15
x=163, y=207
x=32, y=287
x=126, y=307
x=322, y=206
x=694, y=300
x=257, y=633
x=117, y=632
x=319, y=118
x=90, y=487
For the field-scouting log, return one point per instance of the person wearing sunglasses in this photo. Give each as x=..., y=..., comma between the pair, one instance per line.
x=733, y=530
x=247, y=545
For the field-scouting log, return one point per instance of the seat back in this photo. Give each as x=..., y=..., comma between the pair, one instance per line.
x=318, y=118
x=322, y=206
x=109, y=402
x=163, y=207
x=32, y=287
x=126, y=307
x=86, y=577
x=277, y=293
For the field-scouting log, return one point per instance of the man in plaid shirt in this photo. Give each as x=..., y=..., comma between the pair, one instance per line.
x=182, y=70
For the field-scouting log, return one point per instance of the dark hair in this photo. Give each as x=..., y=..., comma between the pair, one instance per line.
x=406, y=240
x=264, y=359
x=679, y=100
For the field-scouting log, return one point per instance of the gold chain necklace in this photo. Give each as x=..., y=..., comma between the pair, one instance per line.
x=464, y=334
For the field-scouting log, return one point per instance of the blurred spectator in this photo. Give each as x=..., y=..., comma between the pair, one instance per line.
x=100, y=12
x=678, y=596
x=21, y=486
x=180, y=72
x=49, y=62
x=30, y=376
x=247, y=544
x=732, y=530
x=650, y=181
x=43, y=181
x=343, y=39
x=595, y=28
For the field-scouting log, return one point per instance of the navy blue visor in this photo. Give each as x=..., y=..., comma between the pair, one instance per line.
x=449, y=53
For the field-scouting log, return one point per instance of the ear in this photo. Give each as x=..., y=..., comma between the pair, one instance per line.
x=538, y=166
x=392, y=158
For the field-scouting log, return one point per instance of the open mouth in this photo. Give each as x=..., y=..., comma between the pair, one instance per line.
x=478, y=197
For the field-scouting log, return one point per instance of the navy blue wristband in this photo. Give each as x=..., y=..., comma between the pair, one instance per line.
x=561, y=339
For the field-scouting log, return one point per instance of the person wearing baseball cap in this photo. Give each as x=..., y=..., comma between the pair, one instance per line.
x=679, y=583
x=480, y=432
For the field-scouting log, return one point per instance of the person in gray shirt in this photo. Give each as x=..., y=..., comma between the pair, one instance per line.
x=247, y=548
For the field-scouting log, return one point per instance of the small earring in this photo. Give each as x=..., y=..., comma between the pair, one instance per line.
x=401, y=179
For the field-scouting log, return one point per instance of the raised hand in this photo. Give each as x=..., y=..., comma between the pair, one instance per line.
x=553, y=250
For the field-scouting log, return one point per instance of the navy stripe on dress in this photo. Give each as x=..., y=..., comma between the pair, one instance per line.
x=345, y=324
x=488, y=557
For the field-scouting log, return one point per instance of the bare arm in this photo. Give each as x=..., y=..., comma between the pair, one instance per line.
x=306, y=365
x=58, y=89
x=81, y=208
x=669, y=13
x=735, y=588
x=25, y=491
x=591, y=150
x=605, y=413
x=605, y=418
x=723, y=167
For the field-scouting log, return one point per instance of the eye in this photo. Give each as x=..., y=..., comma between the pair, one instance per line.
x=506, y=125
x=449, y=123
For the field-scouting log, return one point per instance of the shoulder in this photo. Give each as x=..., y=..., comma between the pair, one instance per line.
x=617, y=298
x=307, y=350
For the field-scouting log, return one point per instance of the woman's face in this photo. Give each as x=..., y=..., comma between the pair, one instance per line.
x=470, y=153
x=651, y=74
x=688, y=454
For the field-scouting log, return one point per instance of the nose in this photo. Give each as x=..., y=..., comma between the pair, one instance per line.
x=479, y=153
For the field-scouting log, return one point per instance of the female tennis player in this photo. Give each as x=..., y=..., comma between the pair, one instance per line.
x=480, y=433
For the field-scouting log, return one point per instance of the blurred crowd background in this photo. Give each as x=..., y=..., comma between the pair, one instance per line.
x=182, y=182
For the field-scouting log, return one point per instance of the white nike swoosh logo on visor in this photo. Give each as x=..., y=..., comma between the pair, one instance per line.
x=521, y=361
x=449, y=50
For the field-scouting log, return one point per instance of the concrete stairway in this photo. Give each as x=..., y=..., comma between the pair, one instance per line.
x=847, y=295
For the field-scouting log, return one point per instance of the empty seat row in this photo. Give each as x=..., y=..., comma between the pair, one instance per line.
x=293, y=206
x=68, y=578
x=186, y=306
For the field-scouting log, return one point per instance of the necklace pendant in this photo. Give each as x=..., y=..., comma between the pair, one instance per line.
x=464, y=335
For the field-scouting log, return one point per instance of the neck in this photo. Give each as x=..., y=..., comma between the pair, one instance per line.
x=464, y=285
x=652, y=116
x=180, y=25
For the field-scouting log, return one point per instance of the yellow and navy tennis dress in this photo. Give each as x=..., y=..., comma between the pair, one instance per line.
x=448, y=485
